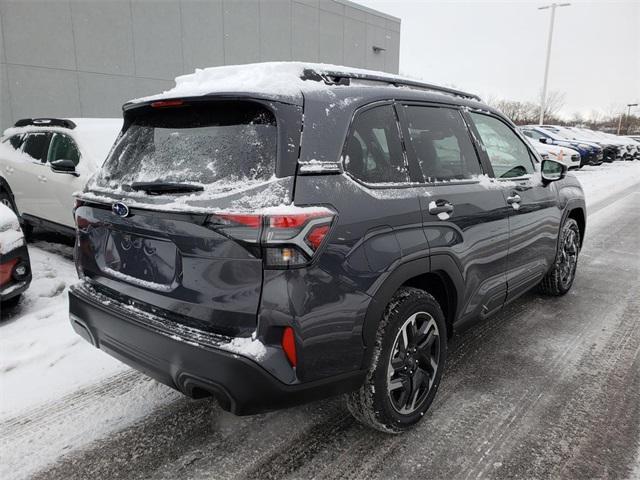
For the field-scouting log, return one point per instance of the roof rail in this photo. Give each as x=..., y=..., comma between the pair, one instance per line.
x=46, y=122
x=344, y=78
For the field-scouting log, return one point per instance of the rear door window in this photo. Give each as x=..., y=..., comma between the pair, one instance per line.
x=441, y=142
x=373, y=152
x=508, y=154
x=221, y=145
x=63, y=148
x=36, y=145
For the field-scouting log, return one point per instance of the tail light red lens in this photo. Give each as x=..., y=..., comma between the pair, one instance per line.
x=286, y=239
x=289, y=346
x=6, y=270
x=315, y=237
x=167, y=103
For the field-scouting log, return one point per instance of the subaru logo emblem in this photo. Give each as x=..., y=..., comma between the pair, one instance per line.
x=120, y=209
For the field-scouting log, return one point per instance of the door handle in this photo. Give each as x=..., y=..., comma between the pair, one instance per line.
x=42, y=178
x=440, y=206
x=515, y=198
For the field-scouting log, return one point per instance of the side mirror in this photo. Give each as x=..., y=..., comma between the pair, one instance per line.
x=64, y=166
x=552, y=171
x=543, y=140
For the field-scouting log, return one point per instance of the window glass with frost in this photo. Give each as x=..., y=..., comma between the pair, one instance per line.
x=221, y=145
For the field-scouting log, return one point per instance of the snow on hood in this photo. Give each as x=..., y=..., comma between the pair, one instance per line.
x=270, y=78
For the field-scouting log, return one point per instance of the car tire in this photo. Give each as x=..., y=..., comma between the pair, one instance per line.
x=11, y=303
x=409, y=357
x=559, y=279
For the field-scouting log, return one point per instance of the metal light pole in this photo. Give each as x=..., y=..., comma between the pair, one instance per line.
x=629, y=105
x=543, y=100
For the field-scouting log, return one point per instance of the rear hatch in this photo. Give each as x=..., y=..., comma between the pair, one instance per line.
x=163, y=226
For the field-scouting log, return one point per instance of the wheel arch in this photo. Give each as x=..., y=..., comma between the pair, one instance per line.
x=438, y=275
x=439, y=284
x=578, y=214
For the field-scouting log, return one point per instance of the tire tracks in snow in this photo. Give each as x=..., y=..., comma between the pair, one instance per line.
x=55, y=412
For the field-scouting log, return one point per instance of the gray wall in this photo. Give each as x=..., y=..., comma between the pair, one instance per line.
x=84, y=58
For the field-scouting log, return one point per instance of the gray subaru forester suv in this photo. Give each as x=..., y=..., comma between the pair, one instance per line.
x=269, y=244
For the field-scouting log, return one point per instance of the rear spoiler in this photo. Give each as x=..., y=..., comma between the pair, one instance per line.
x=45, y=122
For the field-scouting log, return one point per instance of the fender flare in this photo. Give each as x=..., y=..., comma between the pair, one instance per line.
x=382, y=293
x=573, y=204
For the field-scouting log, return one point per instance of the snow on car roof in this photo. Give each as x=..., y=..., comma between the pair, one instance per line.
x=278, y=79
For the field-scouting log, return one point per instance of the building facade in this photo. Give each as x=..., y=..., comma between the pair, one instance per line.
x=80, y=58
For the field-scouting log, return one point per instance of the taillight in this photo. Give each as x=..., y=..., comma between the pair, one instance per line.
x=289, y=346
x=6, y=270
x=167, y=103
x=285, y=238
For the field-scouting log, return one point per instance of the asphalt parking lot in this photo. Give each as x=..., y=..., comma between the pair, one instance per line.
x=549, y=388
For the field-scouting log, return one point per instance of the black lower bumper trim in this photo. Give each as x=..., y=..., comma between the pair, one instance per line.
x=240, y=384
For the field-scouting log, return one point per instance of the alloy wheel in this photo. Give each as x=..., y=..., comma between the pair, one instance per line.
x=413, y=363
x=568, y=258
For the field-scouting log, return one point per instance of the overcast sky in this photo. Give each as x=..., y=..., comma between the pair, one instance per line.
x=497, y=49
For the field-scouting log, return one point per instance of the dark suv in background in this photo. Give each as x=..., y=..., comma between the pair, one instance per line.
x=270, y=246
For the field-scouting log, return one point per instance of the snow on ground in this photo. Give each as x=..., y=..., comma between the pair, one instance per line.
x=41, y=357
x=601, y=181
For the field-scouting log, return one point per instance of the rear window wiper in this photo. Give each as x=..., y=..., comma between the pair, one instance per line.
x=157, y=188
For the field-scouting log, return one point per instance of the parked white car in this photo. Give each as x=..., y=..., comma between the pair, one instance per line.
x=566, y=156
x=44, y=161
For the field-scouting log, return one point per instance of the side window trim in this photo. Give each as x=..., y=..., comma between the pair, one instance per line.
x=378, y=103
x=532, y=156
x=413, y=158
x=477, y=143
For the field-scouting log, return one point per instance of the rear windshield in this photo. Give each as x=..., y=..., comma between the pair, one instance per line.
x=219, y=145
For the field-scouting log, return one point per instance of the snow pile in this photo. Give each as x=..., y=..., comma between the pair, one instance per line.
x=41, y=357
x=10, y=234
x=271, y=78
x=246, y=346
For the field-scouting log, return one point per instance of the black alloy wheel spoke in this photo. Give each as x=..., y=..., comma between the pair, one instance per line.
x=413, y=364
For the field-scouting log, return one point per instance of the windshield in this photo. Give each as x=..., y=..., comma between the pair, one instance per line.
x=219, y=145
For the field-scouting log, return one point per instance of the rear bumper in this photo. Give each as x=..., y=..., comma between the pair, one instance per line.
x=240, y=384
